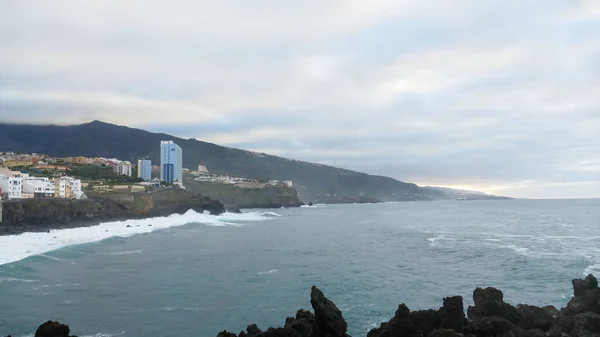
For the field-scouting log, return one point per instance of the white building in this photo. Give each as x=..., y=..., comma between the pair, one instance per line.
x=123, y=168
x=38, y=187
x=202, y=169
x=68, y=188
x=288, y=183
x=11, y=187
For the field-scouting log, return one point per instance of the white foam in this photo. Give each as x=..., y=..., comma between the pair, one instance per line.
x=14, y=279
x=516, y=249
x=593, y=269
x=17, y=247
x=272, y=271
x=128, y=252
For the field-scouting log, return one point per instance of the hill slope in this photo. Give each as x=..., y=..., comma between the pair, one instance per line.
x=99, y=139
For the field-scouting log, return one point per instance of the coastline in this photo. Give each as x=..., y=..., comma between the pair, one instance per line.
x=43, y=215
x=489, y=316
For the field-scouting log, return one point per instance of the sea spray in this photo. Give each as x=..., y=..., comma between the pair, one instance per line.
x=17, y=247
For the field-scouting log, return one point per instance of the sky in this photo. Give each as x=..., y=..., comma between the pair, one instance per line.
x=501, y=96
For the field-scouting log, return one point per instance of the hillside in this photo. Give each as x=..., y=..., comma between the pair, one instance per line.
x=99, y=139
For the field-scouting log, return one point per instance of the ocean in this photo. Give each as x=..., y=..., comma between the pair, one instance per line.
x=195, y=274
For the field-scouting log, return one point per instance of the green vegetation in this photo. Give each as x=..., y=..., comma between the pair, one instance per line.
x=96, y=172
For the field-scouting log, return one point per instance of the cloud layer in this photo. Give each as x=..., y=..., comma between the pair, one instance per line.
x=497, y=95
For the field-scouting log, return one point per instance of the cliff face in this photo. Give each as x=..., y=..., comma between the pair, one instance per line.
x=234, y=196
x=44, y=214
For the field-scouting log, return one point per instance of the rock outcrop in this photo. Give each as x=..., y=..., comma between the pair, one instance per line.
x=489, y=317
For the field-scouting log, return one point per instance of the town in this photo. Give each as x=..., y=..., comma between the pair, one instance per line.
x=28, y=176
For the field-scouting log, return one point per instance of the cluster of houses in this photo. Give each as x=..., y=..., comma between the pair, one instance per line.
x=17, y=185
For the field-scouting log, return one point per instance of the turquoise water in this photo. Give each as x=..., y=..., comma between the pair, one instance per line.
x=224, y=273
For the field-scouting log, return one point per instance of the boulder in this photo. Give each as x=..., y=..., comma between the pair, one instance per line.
x=302, y=325
x=493, y=327
x=587, y=297
x=535, y=318
x=534, y=333
x=580, y=287
x=453, y=313
x=489, y=302
x=253, y=330
x=52, y=329
x=586, y=325
x=310, y=317
x=427, y=320
x=328, y=316
x=444, y=333
x=224, y=333
x=401, y=324
x=280, y=332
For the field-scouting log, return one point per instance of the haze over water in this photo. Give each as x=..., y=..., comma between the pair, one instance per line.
x=230, y=271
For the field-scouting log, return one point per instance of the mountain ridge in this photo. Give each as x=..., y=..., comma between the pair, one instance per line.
x=99, y=139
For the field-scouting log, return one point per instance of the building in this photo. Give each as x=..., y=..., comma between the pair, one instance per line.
x=145, y=169
x=288, y=183
x=171, y=162
x=38, y=188
x=17, y=162
x=11, y=187
x=68, y=188
x=123, y=168
x=202, y=169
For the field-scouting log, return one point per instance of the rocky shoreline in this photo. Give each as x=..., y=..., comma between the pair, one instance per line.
x=490, y=316
x=41, y=215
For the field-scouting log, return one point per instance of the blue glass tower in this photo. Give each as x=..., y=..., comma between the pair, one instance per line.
x=145, y=169
x=171, y=162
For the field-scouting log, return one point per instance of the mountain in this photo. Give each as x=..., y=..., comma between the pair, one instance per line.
x=460, y=194
x=312, y=181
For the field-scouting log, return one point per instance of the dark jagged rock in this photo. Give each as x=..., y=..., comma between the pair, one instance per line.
x=535, y=317
x=280, y=332
x=534, y=333
x=454, y=313
x=493, y=327
x=401, y=324
x=224, y=333
x=586, y=297
x=581, y=287
x=328, y=316
x=302, y=325
x=444, y=333
x=53, y=329
x=253, y=330
x=489, y=302
x=312, y=320
x=586, y=325
x=427, y=320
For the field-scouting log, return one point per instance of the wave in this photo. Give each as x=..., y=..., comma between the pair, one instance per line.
x=14, y=279
x=272, y=271
x=127, y=252
x=18, y=247
x=592, y=269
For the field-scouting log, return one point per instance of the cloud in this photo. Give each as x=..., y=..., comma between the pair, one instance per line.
x=482, y=94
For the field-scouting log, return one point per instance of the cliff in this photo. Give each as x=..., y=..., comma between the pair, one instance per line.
x=44, y=214
x=490, y=316
x=239, y=197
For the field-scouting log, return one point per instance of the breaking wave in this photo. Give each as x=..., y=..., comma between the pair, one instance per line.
x=18, y=247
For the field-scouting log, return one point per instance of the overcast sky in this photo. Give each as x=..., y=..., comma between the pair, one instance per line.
x=496, y=95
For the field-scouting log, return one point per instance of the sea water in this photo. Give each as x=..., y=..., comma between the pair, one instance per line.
x=196, y=274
